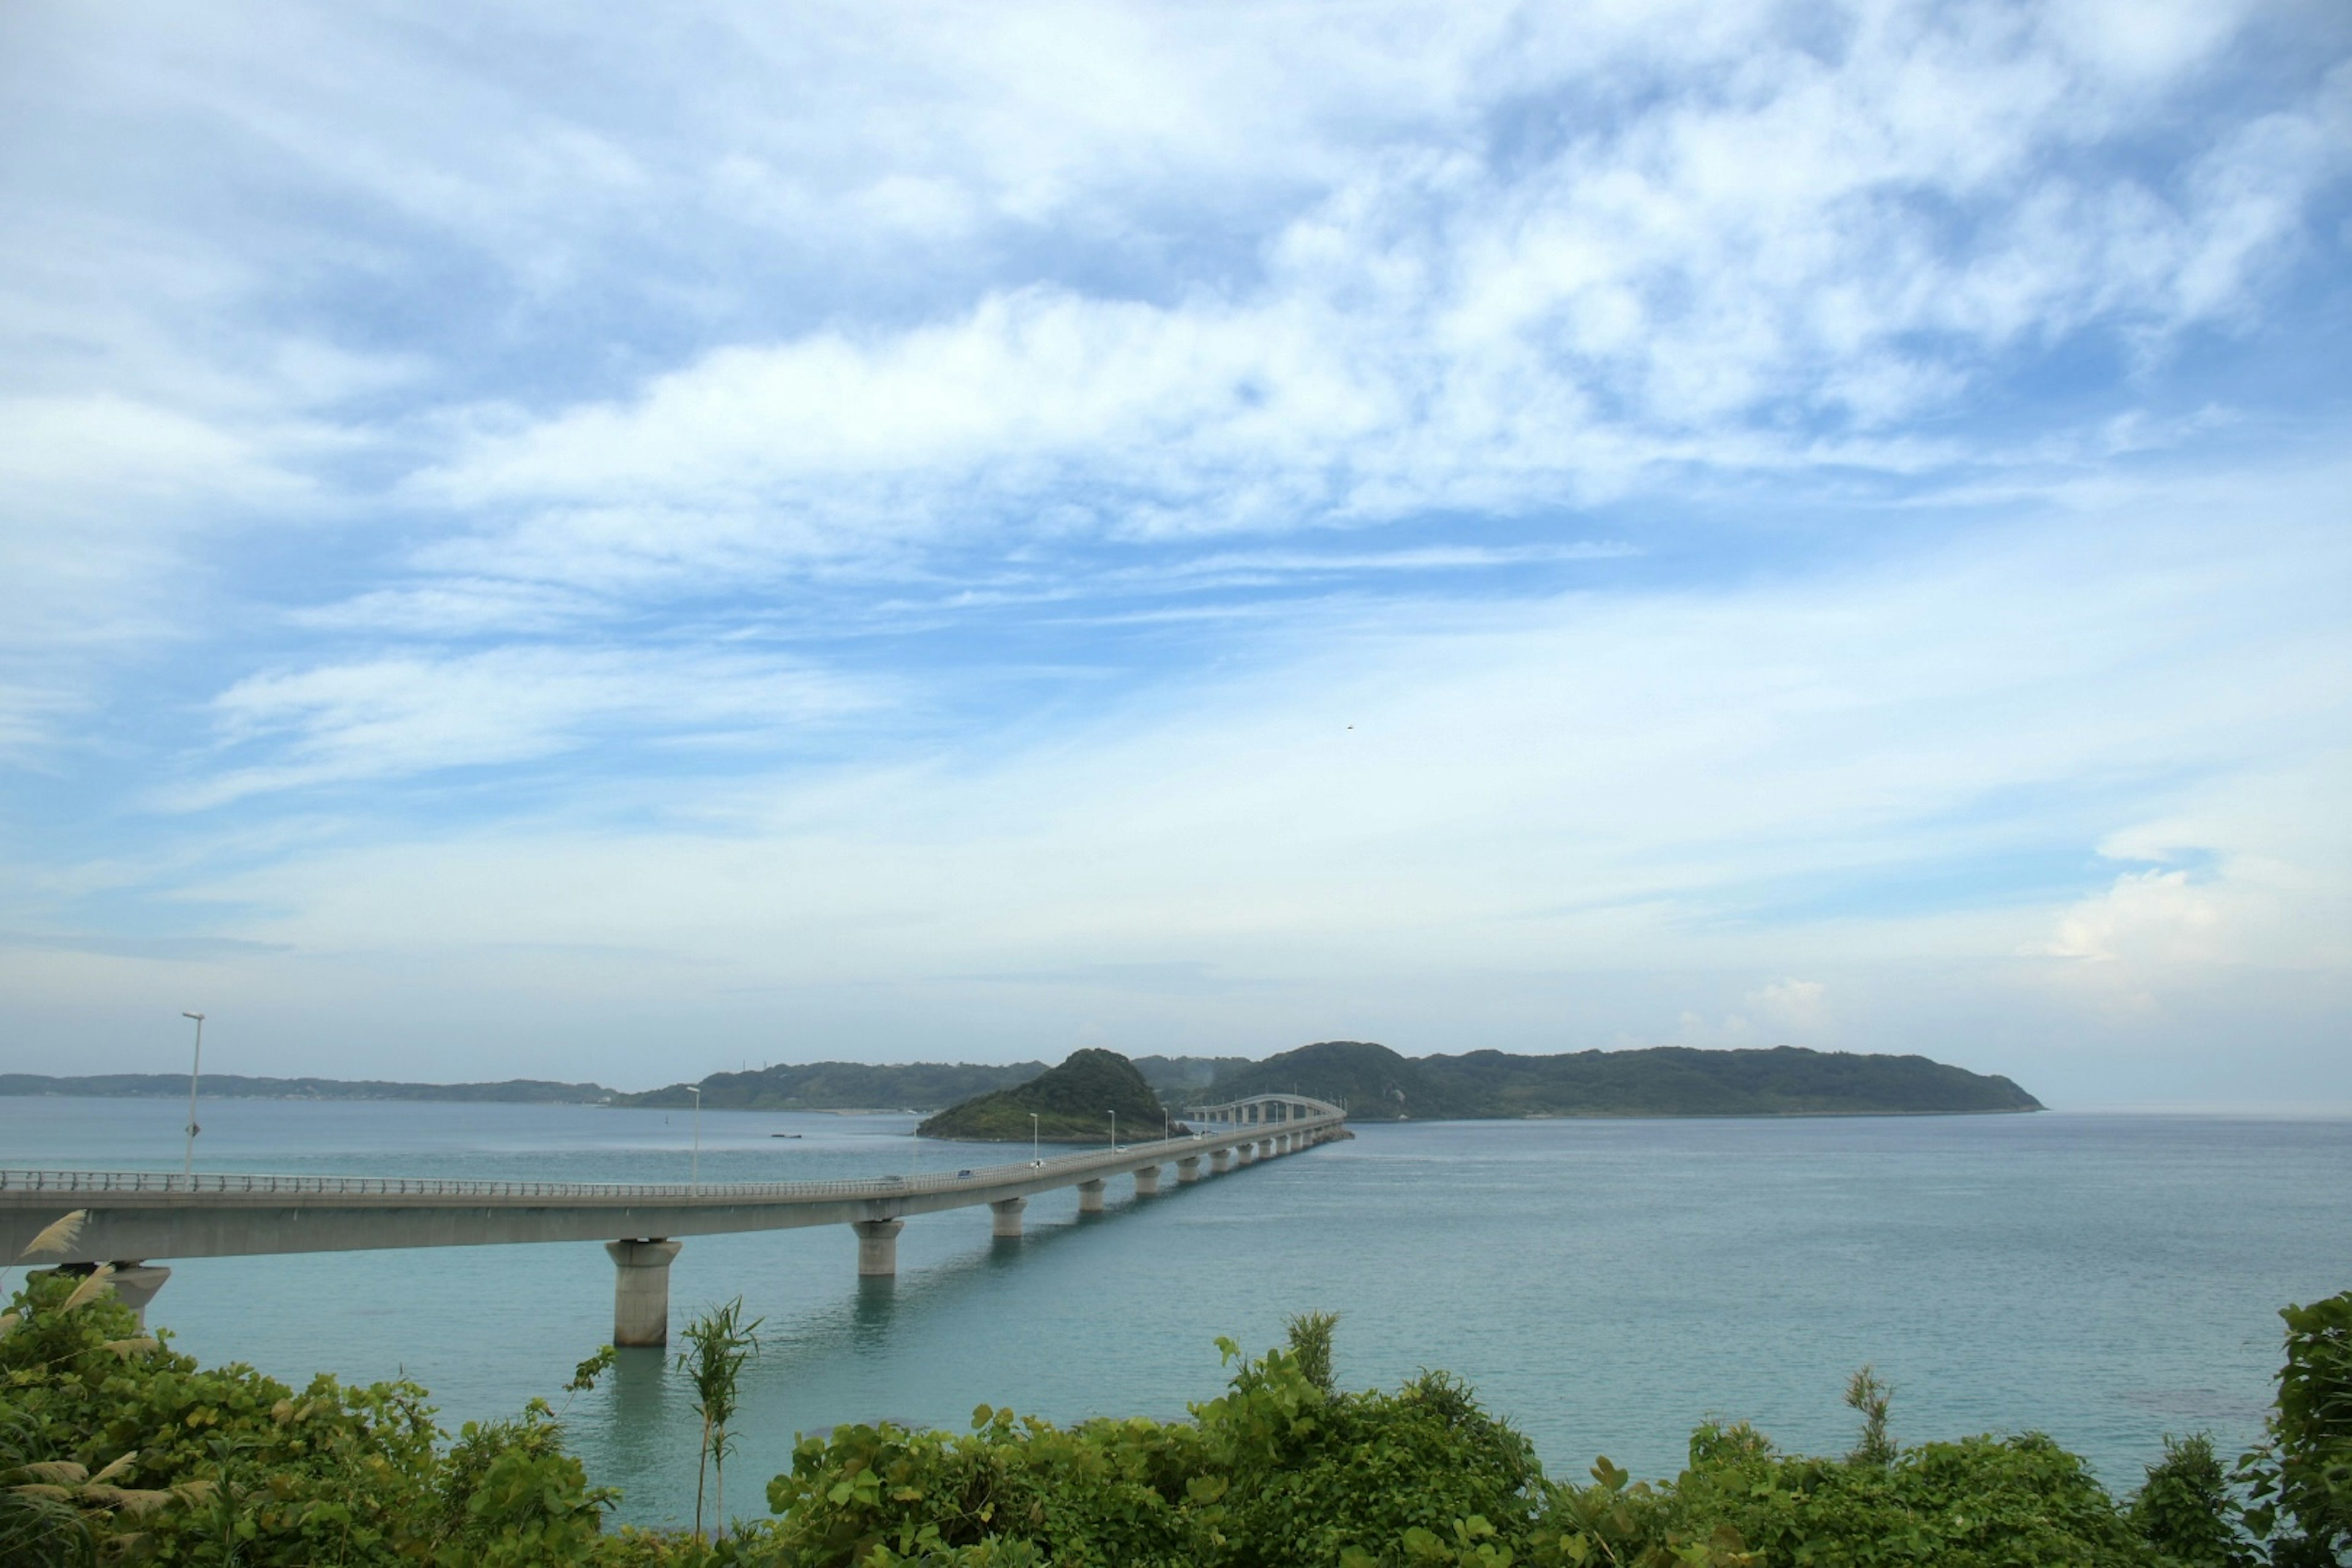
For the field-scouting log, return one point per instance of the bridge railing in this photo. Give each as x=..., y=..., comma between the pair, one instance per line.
x=75, y=1183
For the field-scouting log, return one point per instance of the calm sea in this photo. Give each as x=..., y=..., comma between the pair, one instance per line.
x=1605, y=1285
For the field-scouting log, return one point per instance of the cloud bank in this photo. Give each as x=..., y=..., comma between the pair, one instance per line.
x=1464, y=525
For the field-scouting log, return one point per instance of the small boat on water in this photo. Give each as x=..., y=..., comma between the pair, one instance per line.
x=783, y=1134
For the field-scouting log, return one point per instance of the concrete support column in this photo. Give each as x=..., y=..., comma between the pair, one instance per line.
x=641, y=1290
x=1147, y=1182
x=135, y=1284
x=1090, y=1196
x=877, y=1247
x=1188, y=1169
x=1246, y=1153
x=1220, y=1161
x=1265, y=1149
x=1004, y=1218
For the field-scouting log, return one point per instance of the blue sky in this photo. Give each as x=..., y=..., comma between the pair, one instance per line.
x=764, y=532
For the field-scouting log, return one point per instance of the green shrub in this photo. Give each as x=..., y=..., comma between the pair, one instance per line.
x=156, y=1459
x=113, y=1447
x=2301, y=1478
x=1274, y=1471
x=2186, y=1512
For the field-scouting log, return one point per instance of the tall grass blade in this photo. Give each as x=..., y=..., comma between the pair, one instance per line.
x=101, y=1278
x=59, y=1234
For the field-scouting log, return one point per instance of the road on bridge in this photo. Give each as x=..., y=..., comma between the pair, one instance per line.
x=135, y=1216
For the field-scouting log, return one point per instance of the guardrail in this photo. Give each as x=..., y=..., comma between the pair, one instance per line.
x=76, y=1183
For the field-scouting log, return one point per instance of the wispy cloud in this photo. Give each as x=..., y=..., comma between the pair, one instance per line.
x=395, y=717
x=1813, y=513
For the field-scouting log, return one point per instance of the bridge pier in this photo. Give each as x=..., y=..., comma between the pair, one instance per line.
x=1147, y=1182
x=641, y=1290
x=1265, y=1149
x=1090, y=1196
x=1188, y=1169
x=1220, y=1161
x=1246, y=1153
x=877, y=1247
x=135, y=1284
x=1004, y=1218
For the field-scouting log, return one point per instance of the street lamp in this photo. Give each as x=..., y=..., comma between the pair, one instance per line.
x=1033, y=1158
x=1114, y=1131
x=195, y=1068
x=694, y=1171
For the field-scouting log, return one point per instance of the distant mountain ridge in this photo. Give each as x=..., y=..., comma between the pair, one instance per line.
x=902, y=1086
x=235, y=1086
x=1376, y=1084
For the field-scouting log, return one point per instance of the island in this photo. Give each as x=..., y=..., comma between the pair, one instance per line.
x=1375, y=1084
x=1073, y=1104
x=1372, y=1081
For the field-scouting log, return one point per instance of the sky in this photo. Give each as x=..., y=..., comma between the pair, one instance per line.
x=617, y=546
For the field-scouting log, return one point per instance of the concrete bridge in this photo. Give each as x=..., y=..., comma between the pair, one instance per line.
x=138, y=1215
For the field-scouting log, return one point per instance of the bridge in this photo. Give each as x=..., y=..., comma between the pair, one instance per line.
x=138, y=1215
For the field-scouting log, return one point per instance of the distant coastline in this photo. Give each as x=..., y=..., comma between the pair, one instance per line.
x=235, y=1086
x=1375, y=1083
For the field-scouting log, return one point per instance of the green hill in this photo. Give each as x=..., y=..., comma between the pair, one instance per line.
x=1376, y=1084
x=1072, y=1103
x=843, y=1085
x=897, y=1086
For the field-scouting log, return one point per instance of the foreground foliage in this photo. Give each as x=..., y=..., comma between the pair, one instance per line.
x=111, y=1443
x=113, y=1447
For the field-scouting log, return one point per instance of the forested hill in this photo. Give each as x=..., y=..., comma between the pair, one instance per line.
x=905, y=1085
x=1376, y=1084
x=234, y=1086
x=1072, y=1103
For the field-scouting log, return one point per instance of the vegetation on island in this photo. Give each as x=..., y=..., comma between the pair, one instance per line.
x=1073, y=1104
x=1376, y=1084
x=909, y=1085
x=116, y=1449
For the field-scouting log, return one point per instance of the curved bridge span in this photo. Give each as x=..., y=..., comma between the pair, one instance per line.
x=138, y=1215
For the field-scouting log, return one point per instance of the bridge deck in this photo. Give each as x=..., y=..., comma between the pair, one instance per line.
x=159, y=1214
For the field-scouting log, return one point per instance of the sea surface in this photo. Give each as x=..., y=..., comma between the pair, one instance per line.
x=1603, y=1284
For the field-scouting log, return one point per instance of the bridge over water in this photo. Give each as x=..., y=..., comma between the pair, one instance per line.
x=136, y=1216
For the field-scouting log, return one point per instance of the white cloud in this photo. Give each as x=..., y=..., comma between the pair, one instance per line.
x=2147, y=918
x=512, y=331
x=1759, y=270
x=1792, y=1003
x=394, y=717
x=1547, y=828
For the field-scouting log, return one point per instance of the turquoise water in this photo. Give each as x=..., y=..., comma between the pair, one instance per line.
x=1605, y=1285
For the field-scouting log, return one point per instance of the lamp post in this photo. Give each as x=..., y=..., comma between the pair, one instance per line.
x=1114, y=1131
x=195, y=1069
x=1033, y=1139
x=694, y=1170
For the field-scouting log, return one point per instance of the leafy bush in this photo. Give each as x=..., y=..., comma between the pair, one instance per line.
x=2186, y=1510
x=113, y=1447
x=1977, y=1503
x=1274, y=1471
x=2300, y=1478
x=139, y=1452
